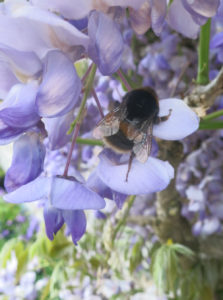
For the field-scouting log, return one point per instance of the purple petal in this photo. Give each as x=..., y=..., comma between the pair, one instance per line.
x=211, y=225
x=97, y=185
x=57, y=130
x=106, y=43
x=70, y=9
x=22, y=63
x=119, y=199
x=136, y=4
x=180, y=20
x=8, y=134
x=76, y=222
x=32, y=191
x=60, y=87
x=182, y=121
x=208, y=226
x=158, y=14
x=140, y=19
x=150, y=177
x=198, y=18
x=202, y=7
x=53, y=221
x=27, y=161
x=69, y=194
x=18, y=109
x=33, y=28
x=217, y=40
x=8, y=79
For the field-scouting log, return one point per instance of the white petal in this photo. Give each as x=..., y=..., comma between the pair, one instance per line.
x=182, y=122
x=150, y=177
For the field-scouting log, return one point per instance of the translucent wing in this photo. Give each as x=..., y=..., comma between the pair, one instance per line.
x=109, y=125
x=143, y=144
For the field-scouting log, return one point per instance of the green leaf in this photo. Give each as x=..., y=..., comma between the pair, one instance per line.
x=181, y=249
x=136, y=255
x=45, y=292
x=58, y=276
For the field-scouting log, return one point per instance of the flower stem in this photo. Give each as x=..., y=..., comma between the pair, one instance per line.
x=86, y=73
x=97, y=102
x=122, y=221
x=212, y=125
x=76, y=131
x=91, y=142
x=203, y=54
x=87, y=90
x=125, y=82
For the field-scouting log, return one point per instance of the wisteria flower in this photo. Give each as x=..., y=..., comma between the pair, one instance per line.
x=153, y=175
x=64, y=201
x=186, y=16
x=41, y=31
x=47, y=88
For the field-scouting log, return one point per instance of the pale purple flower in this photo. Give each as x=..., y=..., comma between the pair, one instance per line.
x=27, y=102
x=64, y=200
x=199, y=179
x=186, y=16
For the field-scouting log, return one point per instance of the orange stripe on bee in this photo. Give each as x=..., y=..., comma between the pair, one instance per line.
x=128, y=130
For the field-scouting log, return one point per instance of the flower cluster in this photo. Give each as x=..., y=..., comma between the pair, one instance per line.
x=199, y=180
x=42, y=46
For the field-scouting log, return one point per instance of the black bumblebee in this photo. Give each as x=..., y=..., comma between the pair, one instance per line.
x=129, y=127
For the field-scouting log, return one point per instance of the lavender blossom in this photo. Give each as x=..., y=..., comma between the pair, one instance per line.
x=199, y=178
x=64, y=199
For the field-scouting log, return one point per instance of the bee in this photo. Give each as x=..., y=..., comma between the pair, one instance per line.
x=129, y=127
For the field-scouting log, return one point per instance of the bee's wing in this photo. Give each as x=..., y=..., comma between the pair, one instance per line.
x=110, y=124
x=143, y=144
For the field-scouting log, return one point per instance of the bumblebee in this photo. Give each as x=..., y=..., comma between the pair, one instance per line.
x=129, y=127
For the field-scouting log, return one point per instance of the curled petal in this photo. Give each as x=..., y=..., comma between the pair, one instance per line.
x=57, y=130
x=97, y=185
x=60, y=87
x=70, y=9
x=8, y=134
x=76, y=222
x=27, y=161
x=150, y=177
x=70, y=194
x=18, y=109
x=22, y=63
x=180, y=20
x=141, y=19
x=158, y=14
x=202, y=7
x=182, y=121
x=32, y=191
x=106, y=43
x=8, y=79
x=53, y=220
x=27, y=27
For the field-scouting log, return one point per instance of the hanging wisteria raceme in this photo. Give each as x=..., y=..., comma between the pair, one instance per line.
x=45, y=48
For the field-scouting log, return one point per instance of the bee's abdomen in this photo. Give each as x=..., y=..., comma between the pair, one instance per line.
x=119, y=142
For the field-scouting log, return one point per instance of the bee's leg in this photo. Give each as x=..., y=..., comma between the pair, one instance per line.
x=163, y=118
x=132, y=155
